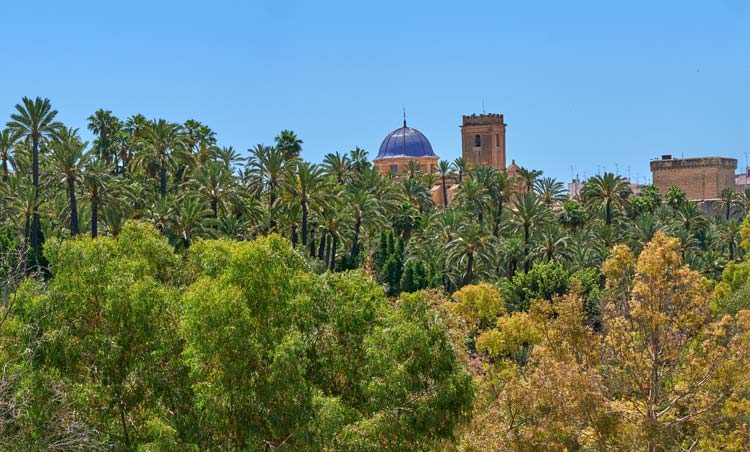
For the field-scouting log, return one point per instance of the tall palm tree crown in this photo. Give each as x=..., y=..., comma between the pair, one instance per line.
x=606, y=189
x=34, y=120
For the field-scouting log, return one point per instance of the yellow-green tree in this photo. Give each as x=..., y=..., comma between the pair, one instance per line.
x=669, y=364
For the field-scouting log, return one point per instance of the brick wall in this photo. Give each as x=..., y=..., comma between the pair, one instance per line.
x=491, y=130
x=700, y=178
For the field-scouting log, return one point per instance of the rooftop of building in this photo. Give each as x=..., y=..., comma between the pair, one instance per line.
x=405, y=142
x=667, y=162
x=483, y=119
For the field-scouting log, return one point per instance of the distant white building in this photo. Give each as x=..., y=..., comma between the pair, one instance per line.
x=576, y=185
x=742, y=180
x=574, y=188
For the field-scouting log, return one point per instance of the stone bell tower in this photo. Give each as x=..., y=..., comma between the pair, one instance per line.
x=483, y=140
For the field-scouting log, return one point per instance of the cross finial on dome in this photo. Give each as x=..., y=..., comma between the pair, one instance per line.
x=404, y=117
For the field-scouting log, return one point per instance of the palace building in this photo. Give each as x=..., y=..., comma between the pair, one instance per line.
x=702, y=179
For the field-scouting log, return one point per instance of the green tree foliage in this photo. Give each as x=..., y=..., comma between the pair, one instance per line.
x=281, y=356
x=105, y=325
x=243, y=348
x=544, y=281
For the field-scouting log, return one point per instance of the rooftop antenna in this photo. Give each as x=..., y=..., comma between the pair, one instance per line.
x=572, y=172
x=747, y=165
x=617, y=169
x=483, y=110
x=629, y=174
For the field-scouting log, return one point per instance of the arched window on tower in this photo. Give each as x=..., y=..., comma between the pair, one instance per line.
x=477, y=141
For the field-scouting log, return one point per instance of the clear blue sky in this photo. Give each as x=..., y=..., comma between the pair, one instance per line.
x=588, y=84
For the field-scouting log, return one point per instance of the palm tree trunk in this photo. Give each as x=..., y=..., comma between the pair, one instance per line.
x=333, y=252
x=355, y=241
x=94, y=216
x=304, y=222
x=731, y=251
x=312, y=243
x=526, y=249
x=73, y=207
x=328, y=252
x=469, y=269
x=5, y=169
x=163, y=180
x=728, y=210
x=498, y=218
x=608, y=218
x=294, y=236
x=215, y=208
x=322, y=247
x=271, y=203
x=35, y=181
x=445, y=193
x=25, y=244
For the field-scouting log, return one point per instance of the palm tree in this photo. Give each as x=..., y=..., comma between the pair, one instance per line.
x=471, y=245
x=364, y=207
x=305, y=183
x=583, y=250
x=412, y=169
x=689, y=216
x=96, y=182
x=728, y=199
x=501, y=190
x=266, y=166
x=163, y=140
x=675, y=197
x=105, y=126
x=199, y=138
x=444, y=168
x=528, y=178
x=338, y=166
x=20, y=204
x=552, y=243
x=192, y=219
x=550, y=190
x=161, y=213
x=606, y=189
x=333, y=226
x=473, y=195
x=228, y=156
x=460, y=165
x=527, y=213
x=69, y=155
x=7, y=141
x=289, y=144
x=643, y=229
x=730, y=234
x=417, y=194
x=360, y=162
x=214, y=183
x=35, y=121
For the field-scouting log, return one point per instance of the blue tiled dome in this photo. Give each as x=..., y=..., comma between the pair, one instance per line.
x=405, y=142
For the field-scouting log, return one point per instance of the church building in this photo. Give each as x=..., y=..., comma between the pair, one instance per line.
x=482, y=143
x=404, y=145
